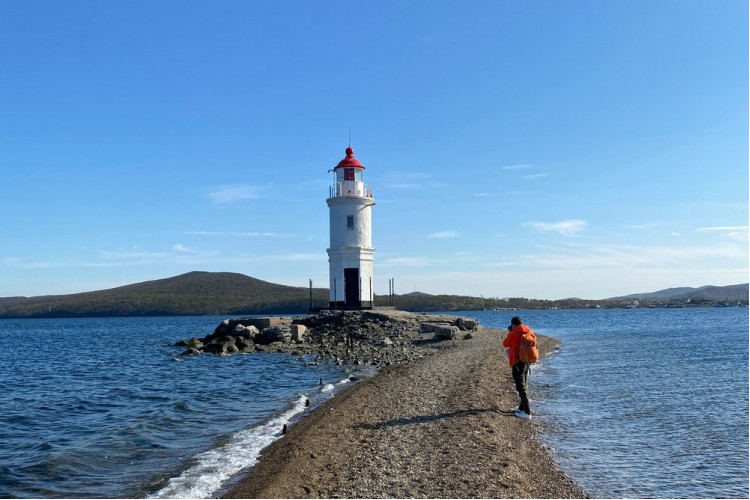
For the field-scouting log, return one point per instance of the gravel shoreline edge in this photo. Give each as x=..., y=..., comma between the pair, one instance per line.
x=436, y=427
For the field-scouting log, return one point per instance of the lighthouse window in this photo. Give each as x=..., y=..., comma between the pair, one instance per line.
x=350, y=222
x=348, y=174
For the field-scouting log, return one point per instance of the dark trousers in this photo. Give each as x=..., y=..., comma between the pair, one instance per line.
x=520, y=374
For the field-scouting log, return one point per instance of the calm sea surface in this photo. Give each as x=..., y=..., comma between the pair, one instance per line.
x=637, y=403
x=645, y=403
x=102, y=408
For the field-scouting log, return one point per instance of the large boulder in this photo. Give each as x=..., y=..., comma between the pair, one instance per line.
x=247, y=332
x=467, y=324
x=298, y=332
x=432, y=327
x=244, y=344
x=446, y=332
x=194, y=343
x=267, y=322
x=274, y=334
x=224, y=345
x=223, y=328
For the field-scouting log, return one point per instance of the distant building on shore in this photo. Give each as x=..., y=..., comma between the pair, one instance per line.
x=351, y=254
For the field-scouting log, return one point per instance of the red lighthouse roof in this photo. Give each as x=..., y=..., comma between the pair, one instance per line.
x=350, y=160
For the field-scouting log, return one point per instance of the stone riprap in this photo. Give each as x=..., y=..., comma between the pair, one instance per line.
x=349, y=337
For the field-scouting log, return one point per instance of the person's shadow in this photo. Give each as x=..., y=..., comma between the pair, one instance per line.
x=421, y=419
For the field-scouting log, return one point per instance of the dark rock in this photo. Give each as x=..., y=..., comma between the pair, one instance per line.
x=224, y=327
x=244, y=344
x=224, y=346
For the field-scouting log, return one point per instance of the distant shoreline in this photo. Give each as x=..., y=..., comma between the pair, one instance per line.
x=304, y=312
x=232, y=294
x=437, y=427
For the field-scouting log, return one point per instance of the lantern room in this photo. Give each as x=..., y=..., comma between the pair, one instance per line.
x=349, y=178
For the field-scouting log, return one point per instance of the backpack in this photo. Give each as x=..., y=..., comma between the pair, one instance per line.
x=528, y=352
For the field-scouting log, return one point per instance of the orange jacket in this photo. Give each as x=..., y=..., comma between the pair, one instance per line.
x=513, y=342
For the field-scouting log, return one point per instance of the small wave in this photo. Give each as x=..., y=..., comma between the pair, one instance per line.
x=332, y=387
x=214, y=467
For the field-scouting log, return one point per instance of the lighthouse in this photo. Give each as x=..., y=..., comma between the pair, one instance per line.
x=350, y=256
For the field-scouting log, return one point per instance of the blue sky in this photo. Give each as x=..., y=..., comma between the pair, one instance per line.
x=543, y=149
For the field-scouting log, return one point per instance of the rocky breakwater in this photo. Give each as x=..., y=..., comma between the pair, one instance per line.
x=378, y=338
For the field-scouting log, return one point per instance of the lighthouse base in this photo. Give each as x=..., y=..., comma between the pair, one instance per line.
x=351, y=307
x=340, y=306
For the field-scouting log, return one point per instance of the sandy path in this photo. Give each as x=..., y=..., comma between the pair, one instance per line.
x=438, y=427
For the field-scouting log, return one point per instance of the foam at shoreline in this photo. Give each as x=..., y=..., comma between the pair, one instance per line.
x=213, y=468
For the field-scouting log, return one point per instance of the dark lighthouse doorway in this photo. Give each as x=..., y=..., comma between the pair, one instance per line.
x=351, y=287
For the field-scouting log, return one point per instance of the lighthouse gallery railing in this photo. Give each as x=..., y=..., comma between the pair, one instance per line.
x=350, y=188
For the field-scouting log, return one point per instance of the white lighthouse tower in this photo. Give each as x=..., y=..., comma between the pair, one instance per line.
x=350, y=256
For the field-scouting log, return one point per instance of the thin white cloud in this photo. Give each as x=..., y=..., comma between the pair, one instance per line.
x=534, y=177
x=569, y=227
x=29, y=263
x=443, y=235
x=131, y=255
x=179, y=247
x=634, y=257
x=733, y=232
x=517, y=167
x=231, y=193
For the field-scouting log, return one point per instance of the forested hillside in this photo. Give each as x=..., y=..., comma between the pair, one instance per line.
x=195, y=293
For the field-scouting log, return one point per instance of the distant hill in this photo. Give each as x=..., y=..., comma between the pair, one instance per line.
x=709, y=293
x=233, y=294
x=195, y=293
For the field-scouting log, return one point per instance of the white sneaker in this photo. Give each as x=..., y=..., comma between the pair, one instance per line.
x=523, y=414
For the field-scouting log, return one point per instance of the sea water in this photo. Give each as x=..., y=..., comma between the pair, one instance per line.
x=647, y=403
x=644, y=403
x=108, y=407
